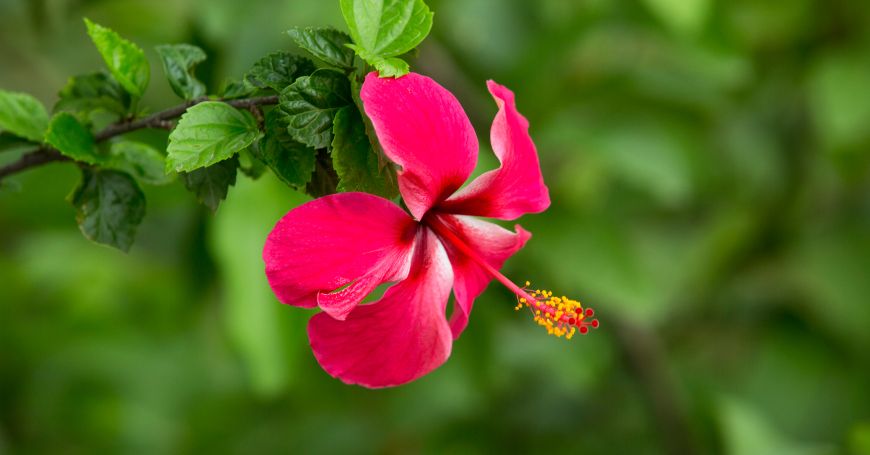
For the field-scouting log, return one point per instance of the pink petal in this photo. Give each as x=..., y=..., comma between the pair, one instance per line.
x=423, y=129
x=397, y=339
x=517, y=187
x=350, y=239
x=493, y=243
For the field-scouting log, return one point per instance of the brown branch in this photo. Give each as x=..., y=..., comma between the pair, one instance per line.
x=159, y=120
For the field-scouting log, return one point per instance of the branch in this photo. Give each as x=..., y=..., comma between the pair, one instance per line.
x=46, y=154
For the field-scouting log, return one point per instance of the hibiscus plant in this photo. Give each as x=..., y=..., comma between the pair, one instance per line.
x=385, y=153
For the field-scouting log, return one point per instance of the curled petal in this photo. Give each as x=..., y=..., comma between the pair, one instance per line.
x=492, y=243
x=397, y=339
x=335, y=250
x=423, y=129
x=515, y=188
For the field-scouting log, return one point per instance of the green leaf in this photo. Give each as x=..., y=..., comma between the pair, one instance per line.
x=324, y=181
x=142, y=161
x=327, y=44
x=211, y=184
x=109, y=207
x=391, y=67
x=11, y=142
x=250, y=164
x=207, y=133
x=125, y=60
x=312, y=102
x=71, y=138
x=179, y=61
x=382, y=29
x=236, y=89
x=22, y=115
x=278, y=70
x=357, y=165
x=90, y=93
x=290, y=160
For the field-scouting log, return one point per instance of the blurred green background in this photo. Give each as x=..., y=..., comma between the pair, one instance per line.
x=709, y=164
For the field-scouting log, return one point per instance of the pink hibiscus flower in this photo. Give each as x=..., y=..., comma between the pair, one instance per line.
x=333, y=251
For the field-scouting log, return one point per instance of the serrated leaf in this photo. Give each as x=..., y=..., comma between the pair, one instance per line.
x=141, y=161
x=312, y=102
x=382, y=29
x=207, y=133
x=327, y=44
x=22, y=115
x=179, y=61
x=71, y=138
x=125, y=60
x=89, y=93
x=290, y=160
x=356, y=164
x=211, y=184
x=109, y=207
x=278, y=70
x=233, y=89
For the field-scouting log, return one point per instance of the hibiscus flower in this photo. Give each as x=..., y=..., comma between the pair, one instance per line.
x=334, y=251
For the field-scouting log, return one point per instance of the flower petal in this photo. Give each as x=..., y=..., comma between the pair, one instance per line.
x=492, y=243
x=515, y=188
x=397, y=339
x=423, y=129
x=355, y=240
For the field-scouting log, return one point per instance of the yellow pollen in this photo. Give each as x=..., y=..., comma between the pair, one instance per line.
x=560, y=316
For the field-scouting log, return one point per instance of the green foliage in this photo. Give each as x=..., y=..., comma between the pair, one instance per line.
x=125, y=60
x=682, y=16
x=139, y=160
x=22, y=115
x=233, y=89
x=207, y=133
x=211, y=184
x=326, y=44
x=91, y=94
x=384, y=29
x=256, y=324
x=278, y=70
x=707, y=163
x=291, y=161
x=357, y=165
x=312, y=102
x=179, y=62
x=109, y=207
x=71, y=138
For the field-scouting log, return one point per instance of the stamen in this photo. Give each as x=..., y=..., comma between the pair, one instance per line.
x=560, y=316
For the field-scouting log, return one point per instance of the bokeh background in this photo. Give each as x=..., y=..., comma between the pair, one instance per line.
x=709, y=163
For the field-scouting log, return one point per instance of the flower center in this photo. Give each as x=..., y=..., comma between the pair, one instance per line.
x=561, y=316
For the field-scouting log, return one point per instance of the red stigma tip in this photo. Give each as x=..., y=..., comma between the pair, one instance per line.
x=595, y=323
x=584, y=330
x=572, y=321
x=589, y=312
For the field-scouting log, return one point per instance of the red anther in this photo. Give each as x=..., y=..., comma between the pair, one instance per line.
x=595, y=323
x=589, y=312
x=584, y=329
x=572, y=321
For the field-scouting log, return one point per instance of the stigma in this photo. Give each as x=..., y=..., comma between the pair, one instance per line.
x=560, y=316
